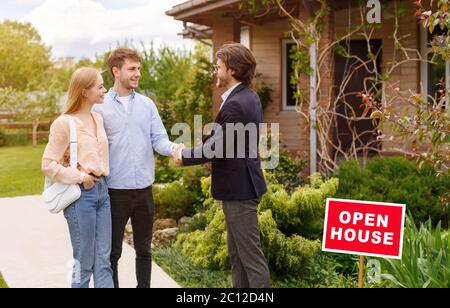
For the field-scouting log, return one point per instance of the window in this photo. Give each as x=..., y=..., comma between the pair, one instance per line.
x=435, y=77
x=289, y=102
x=245, y=36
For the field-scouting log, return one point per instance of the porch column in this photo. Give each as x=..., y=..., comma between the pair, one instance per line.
x=313, y=108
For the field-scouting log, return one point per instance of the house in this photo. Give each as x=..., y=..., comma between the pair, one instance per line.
x=221, y=21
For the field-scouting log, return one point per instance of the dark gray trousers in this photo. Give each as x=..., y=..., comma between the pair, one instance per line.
x=249, y=267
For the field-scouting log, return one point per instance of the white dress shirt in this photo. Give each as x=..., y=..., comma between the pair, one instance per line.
x=227, y=94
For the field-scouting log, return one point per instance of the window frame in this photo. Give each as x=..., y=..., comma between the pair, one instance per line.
x=285, y=82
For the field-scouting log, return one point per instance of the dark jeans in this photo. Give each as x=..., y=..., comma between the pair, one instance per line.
x=137, y=205
x=249, y=267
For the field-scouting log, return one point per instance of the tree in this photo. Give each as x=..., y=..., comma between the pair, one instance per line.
x=30, y=83
x=194, y=96
x=429, y=127
x=380, y=94
x=164, y=71
x=25, y=59
x=28, y=106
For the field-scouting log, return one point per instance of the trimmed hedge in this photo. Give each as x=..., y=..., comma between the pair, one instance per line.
x=395, y=179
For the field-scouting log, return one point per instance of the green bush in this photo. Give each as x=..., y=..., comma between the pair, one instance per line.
x=173, y=200
x=288, y=171
x=165, y=174
x=188, y=275
x=198, y=222
x=326, y=270
x=395, y=179
x=425, y=261
x=192, y=180
x=208, y=248
x=190, y=177
x=286, y=253
x=303, y=212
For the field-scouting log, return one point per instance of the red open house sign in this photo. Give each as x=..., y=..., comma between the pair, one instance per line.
x=364, y=228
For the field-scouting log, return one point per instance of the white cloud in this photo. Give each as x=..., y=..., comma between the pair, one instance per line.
x=82, y=28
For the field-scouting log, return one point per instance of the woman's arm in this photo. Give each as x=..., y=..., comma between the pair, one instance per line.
x=57, y=145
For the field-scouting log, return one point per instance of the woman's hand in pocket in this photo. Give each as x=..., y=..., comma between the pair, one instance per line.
x=89, y=182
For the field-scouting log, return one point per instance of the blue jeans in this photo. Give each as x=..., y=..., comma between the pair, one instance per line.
x=89, y=220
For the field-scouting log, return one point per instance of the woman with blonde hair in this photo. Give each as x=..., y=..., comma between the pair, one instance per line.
x=89, y=218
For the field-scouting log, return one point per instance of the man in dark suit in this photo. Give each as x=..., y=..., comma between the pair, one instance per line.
x=237, y=177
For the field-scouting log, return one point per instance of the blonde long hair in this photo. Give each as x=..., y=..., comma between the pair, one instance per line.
x=82, y=79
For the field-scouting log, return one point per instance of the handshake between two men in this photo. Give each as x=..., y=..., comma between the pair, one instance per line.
x=177, y=154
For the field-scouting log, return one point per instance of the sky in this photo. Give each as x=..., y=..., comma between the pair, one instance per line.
x=84, y=28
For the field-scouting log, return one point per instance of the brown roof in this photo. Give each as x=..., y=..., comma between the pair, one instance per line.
x=199, y=32
x=191, y=8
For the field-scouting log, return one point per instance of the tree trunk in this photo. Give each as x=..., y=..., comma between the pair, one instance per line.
x=35, y=128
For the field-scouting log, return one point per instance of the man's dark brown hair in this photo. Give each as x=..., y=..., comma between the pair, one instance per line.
x=118, y=57
x=239, y=59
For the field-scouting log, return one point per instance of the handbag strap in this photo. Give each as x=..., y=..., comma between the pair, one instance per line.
x=73, y=143
x=73, y=140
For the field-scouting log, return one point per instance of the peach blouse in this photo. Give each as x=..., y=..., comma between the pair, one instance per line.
x=93, y=152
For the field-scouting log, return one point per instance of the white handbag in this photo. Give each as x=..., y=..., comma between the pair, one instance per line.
x=59, y=196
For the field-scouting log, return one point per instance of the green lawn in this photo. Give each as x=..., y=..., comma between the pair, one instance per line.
x=20, y=171
x=3, y=284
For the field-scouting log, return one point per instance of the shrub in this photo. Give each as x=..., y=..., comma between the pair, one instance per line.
x=208, y=248
x=326, y=270
x=198, y=222
x=192, y=180
x=164, y=175
x=425, y=261
x=395, y=179
x=173, y=201
x=286, y=253
x=303, y=212
x=288, y=171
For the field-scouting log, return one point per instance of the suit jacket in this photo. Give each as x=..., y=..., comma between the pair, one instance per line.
x=236, y=178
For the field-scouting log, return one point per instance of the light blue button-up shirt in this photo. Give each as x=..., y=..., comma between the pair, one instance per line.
x=132, y=136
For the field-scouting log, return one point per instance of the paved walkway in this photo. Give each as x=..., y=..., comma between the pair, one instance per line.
x=35, y=250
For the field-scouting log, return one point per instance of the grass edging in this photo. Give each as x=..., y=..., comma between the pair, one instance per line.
x=186, y=274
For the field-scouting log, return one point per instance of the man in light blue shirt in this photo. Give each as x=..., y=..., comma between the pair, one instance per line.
x=133, y=135
x=134, y=129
